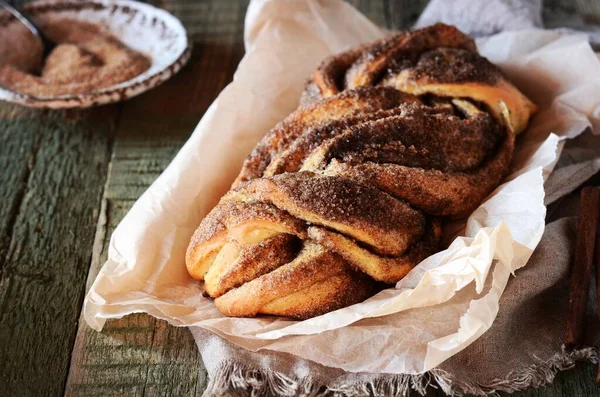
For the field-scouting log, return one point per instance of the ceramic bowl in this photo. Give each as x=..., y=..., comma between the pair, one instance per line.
x=149, y=30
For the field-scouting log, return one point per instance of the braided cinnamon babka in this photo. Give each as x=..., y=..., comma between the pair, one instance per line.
x=346, y=195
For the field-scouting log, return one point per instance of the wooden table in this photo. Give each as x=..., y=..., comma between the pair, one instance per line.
x=66, y=180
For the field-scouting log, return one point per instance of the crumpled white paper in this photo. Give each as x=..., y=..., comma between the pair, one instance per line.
x=441, y=306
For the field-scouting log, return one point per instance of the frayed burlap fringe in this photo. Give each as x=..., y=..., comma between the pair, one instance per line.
x=536, y=375
x=235, y=379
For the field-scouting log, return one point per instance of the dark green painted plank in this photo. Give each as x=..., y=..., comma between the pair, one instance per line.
x=374, y=10
x=19, y=139
x=402, y=14
x=139, y=355
x=46, y=245
x=129, y=353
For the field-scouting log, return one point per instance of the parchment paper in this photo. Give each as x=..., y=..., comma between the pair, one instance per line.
x=441, y=306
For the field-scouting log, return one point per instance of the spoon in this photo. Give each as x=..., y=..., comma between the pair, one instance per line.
x=45, y=44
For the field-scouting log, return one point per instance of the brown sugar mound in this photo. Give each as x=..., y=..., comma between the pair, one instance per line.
x=85, y=59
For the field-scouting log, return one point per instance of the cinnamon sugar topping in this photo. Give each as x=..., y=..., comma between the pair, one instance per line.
x=85, y=59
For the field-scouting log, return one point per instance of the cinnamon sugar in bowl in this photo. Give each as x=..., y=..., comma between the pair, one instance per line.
x=106, y=51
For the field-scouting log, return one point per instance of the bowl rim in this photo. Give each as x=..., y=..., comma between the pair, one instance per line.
x=117, y=92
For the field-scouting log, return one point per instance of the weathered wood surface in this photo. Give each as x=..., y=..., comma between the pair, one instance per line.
x=139, y=355
x=68, y=178
x=55, y=168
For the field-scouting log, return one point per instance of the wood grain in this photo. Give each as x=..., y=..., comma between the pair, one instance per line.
x=139, y=355
x=57, y=165
x=581, y=269
x=18, y=146
x=597, y=269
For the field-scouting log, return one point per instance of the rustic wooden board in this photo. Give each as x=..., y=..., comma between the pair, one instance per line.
x=55, y=164
x=139, y=355
x=18, y=145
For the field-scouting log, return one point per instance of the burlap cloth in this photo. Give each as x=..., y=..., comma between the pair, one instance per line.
x=522, y=349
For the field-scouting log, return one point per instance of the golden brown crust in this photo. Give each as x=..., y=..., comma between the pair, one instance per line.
x=330, y=75
x=249, y=223
x=314, y=277
x=358, y=210
x=377, y=57
x=340, y=290
x=438, y=60
x=385, y=269
x=244, y=263
x=347, y=192
x=349, y=104
x=416, y=137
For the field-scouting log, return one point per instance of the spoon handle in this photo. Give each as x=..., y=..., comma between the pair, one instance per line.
x=22, y=18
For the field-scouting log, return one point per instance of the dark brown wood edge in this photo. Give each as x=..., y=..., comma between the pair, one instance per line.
x=581, y=270
x=597, y=263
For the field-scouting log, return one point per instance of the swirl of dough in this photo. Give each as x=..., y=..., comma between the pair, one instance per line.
x=347, y=194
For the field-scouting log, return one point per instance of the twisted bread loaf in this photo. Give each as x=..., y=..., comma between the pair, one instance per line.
x=346, y=194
